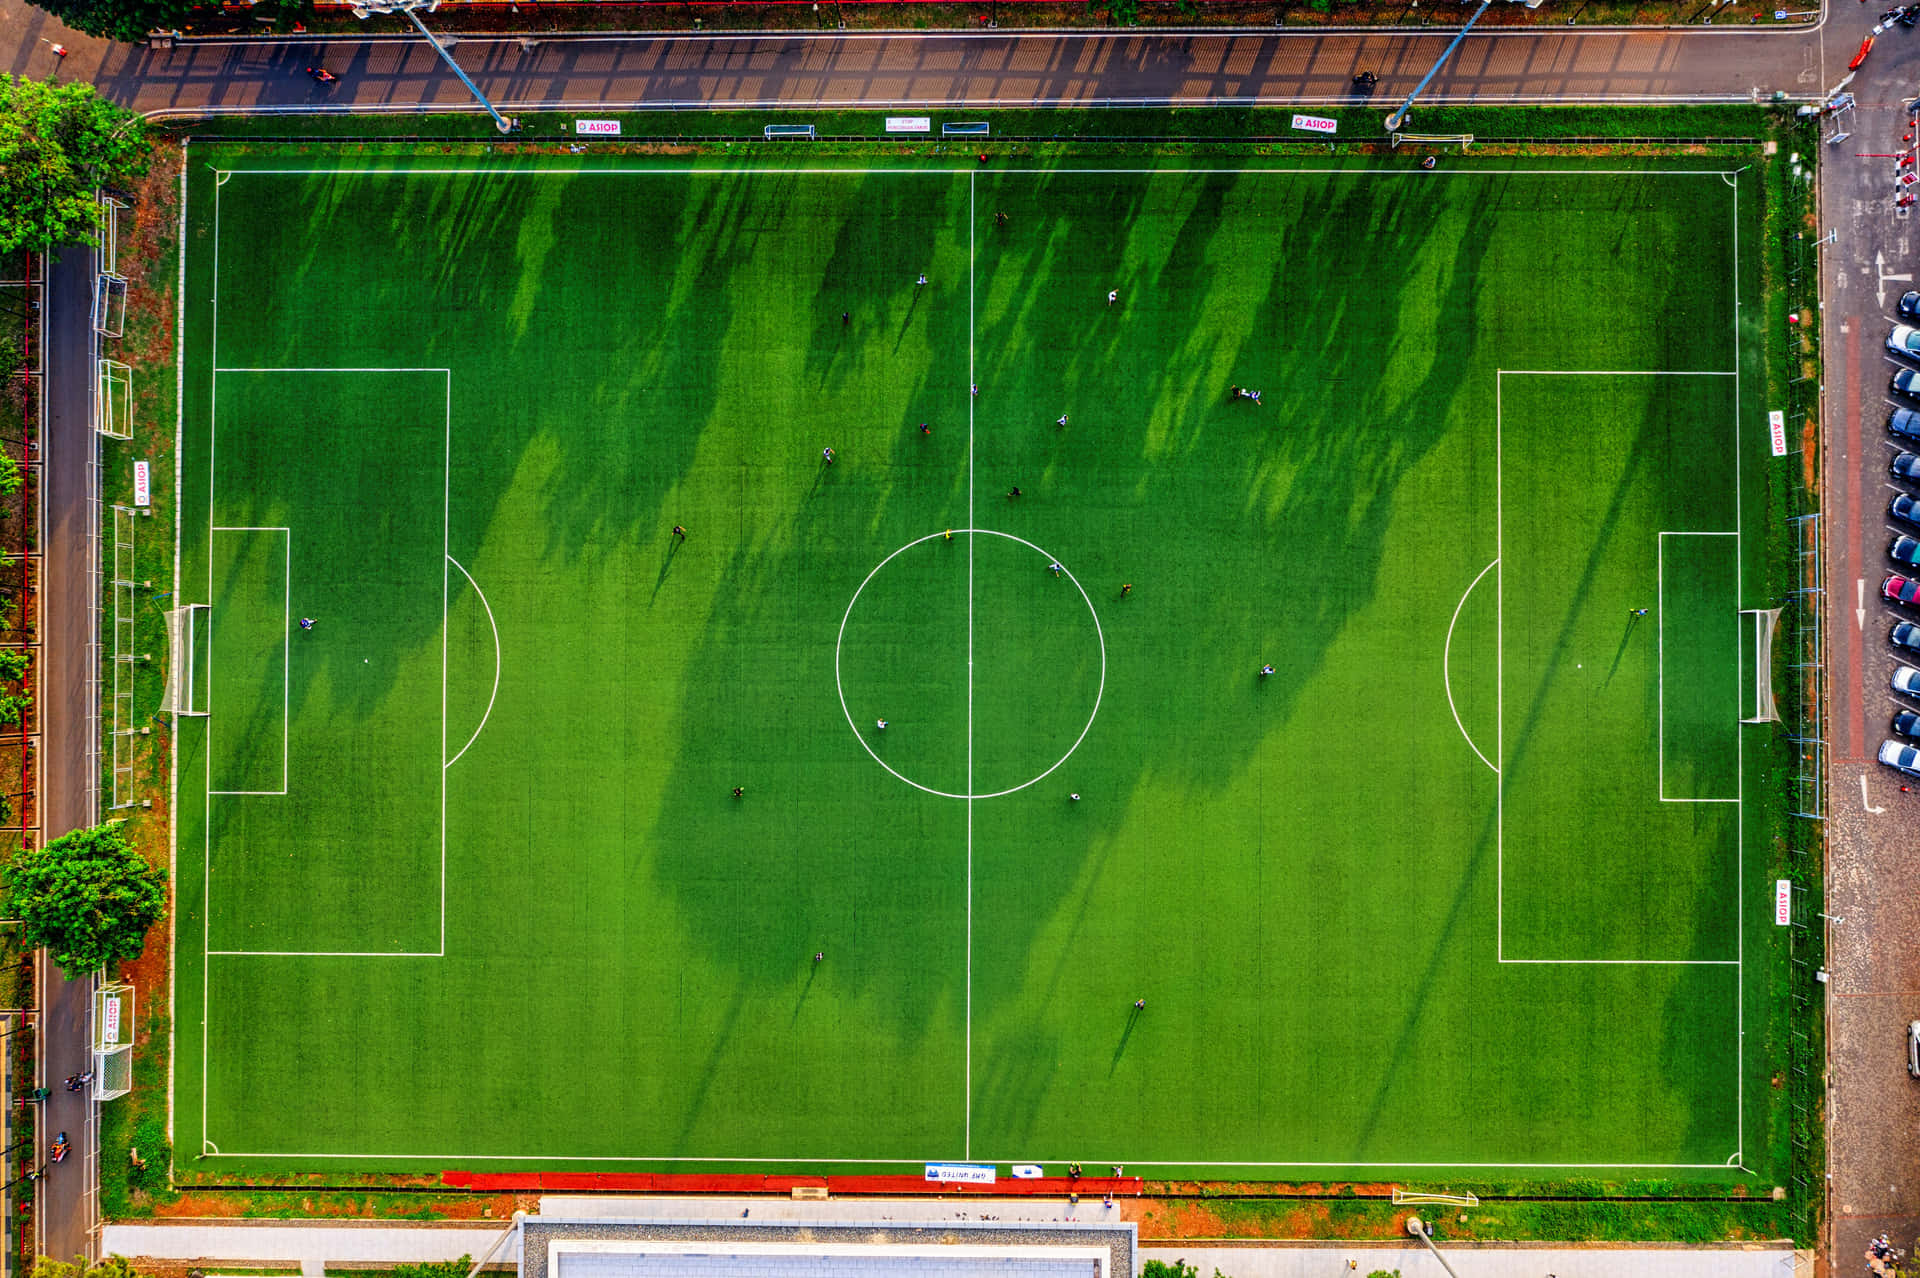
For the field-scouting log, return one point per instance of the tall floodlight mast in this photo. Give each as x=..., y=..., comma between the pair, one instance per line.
x=409, y=7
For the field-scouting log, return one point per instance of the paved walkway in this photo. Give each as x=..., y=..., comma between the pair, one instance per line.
x=279, y=1244
x=1490, y=1262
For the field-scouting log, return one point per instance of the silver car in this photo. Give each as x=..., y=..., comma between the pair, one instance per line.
x=1904, y=758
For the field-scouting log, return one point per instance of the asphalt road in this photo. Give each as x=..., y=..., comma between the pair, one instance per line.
x=1875, y=957
x=68, y=801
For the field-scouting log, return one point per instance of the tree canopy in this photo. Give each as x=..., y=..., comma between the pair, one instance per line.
x=88, y=896
x=58, y=144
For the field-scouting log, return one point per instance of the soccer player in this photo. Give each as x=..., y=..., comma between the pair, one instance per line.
x=1061, y=420
x=1013, y=492
x=1113, y=295
x=922, y=281
x=826, y=456
x=1126, y=588
x=1054, y=568
x=739, y=791
x=1638, y=612
x=306, y=623
x=1265, y=671
x=680, y=531
x=880, y=725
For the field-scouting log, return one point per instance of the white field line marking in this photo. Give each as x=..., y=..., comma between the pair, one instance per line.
x=1614, y=372
x=840, y=688
x=852, y=172
x=173, y=756
x=206, y=793
x=1740, y=737
x=917, y=1161
x=972, y=375
x=1660, y=647
x=206, y=862
x=496, y=663
x=286, y=651
x=1500, y=818
x=1446, y=674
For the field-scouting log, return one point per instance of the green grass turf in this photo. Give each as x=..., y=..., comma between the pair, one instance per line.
x=573, y=944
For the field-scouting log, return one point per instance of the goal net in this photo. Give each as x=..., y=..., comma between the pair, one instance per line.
x=112, y=1041
x=1764, y=622
x=1416, y=1198
x=1464, y=140
x=185, y=693
x=116, y=400
x=109, y=304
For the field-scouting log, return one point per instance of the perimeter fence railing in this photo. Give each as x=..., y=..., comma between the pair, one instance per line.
x=961, y=145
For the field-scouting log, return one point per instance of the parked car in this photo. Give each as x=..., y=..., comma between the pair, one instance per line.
x=1904, y=340
x=1906, y=758
x=1906, y=550
x=1906, y=679
x=1907, y=724
x=1906, y=466
x=1906, y=635
x=1905, y=382
x=1905, y=422
x=1904, y=508
x=1901, y=590
x=1913, y=1049
x=1908, y=306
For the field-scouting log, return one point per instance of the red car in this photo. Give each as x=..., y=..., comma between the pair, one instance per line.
x=1904, y=590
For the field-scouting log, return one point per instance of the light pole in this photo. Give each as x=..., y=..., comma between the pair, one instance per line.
x=1399, y=117
x=409, y=7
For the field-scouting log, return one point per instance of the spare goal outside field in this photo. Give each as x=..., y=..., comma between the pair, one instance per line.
x=112, y=1041
x=1432, y=139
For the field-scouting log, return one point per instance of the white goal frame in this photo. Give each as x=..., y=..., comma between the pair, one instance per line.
x=112, y=1033
x=1432, y=139
x=110, y=304
x=115, y=419
x=1765, y=620
x=182, y=693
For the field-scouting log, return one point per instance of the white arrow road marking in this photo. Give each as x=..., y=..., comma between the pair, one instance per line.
x=1863, y=796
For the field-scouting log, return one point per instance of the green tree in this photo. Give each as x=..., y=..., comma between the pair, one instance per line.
x=88, y=896
x=12, y=707
x=435, y=1269
x=13, y=663
x=58, y=142
x=111, y=1267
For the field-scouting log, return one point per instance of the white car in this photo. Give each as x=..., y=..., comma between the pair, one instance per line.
x=1904, y=758
x=1904, y=340
x=1906, y=679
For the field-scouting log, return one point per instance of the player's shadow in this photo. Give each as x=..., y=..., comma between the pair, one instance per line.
x=1133, y=1018
x=666, y=565
x=800, y=1004
x=913, y=308
x=1620, y=653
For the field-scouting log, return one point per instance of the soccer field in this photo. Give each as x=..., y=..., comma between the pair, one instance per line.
x=1468, y=881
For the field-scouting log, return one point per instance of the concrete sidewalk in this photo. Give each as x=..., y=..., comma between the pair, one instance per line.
x=281, y=1244
x=1412, y=1261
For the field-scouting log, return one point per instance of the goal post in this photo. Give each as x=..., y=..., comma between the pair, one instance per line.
x=1464, y=140
x=116, y=400
x=1416, y=1198
x=1765, y=621
x=185, y=692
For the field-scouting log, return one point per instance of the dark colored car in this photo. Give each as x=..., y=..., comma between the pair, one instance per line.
x=1905, y=550
x=1898, y=589
x=1906, y=634
x=1907, y=466
x=1905, y=423
x=1905, y=382
x=1904, y=508
x=1907, y=723
x=1909, y=306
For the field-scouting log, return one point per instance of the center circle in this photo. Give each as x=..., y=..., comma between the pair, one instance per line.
x=983, y=655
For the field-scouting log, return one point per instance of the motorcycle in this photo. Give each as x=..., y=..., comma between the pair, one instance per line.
x=58, y=1150
x=322, y=75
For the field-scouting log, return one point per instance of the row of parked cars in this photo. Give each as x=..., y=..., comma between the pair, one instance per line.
x=1902, y=750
